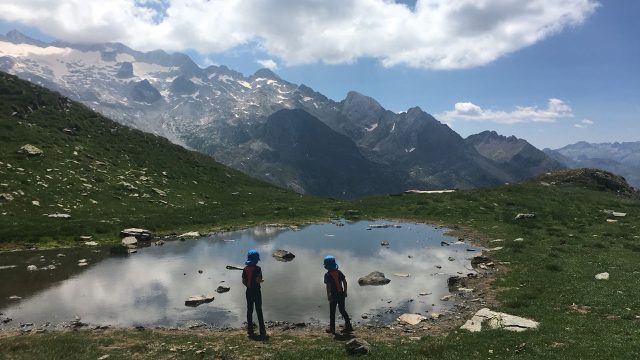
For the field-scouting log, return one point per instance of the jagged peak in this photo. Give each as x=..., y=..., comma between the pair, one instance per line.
x=355, y=98
x=266, y=73
x=16, y=37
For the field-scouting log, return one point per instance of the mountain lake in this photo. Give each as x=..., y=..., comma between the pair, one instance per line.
x=150, y=287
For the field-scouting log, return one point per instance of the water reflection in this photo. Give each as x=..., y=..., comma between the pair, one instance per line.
x=150, y=287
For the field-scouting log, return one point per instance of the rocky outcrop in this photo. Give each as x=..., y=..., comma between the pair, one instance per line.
x=30, y=150
x=125, y=71
x=5, y=197
x=496, y=320
x=375, y=278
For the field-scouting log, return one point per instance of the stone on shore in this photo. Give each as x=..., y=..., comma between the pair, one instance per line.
x=222, y=289
x=190, y=234
x=497, y=320
x=374, y=278
x=411, y=319
x=196, y=300
x=140, y=234
x=129, y=241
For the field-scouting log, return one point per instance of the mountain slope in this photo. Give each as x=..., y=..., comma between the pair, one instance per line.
x=107, y=176
x=292, y=144
x=515, y=156
x=620, y=158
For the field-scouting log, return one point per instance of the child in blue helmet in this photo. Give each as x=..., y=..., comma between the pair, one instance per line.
x=336, y=284
x=251, y=278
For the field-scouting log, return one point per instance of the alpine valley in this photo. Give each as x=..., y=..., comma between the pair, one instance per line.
x=269, y=128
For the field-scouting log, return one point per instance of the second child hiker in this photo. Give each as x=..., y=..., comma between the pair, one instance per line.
x=336, y=294
x=251, y=278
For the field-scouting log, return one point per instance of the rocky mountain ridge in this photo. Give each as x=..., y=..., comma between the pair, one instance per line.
x=221, y=112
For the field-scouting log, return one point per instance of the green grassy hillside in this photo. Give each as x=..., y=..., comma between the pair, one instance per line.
x=107, y=176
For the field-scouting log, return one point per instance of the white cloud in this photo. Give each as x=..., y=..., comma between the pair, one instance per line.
x=268, y=63
x=556, y=109
x=437, y=34
x=583, y=124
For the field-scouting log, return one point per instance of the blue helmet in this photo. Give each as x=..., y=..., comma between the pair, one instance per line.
x=252, y=257
x=330, y=263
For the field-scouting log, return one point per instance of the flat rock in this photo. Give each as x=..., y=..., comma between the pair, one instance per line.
x=374, y=278
x=411, y=319
x=32, y=268
x=190, y=234
x=602, y=276
x=91, y=243
x=196, y=300
x=357, y=346
x=140, y=234
x=59, y=216
x=283, y=255
x=496, y=320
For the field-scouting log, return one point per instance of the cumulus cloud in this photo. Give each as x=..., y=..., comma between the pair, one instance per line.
x=433, y=34
x=268, y=63
x=556, y=109
x=583, y=124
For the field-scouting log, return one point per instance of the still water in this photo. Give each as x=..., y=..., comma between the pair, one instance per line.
x=149, y=288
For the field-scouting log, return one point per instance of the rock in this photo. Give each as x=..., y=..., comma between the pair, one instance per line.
x=374, y=278
x=384, y=243
x=401, y=275
x=424, y=293
x=614, y=213
x=444, y=243
x=283, y=255
x=35, y=203
x=91, y=243
x=14, y=297
x=602, y=276
x=498, y=320
x=476, y=261
x=6, y=197
x=140, y=234
x=30, y=150
x=159, y=192
x=435, y=315
x=222, y=289
x=357, y=346
x=32, y=268
x=159, y=243
x=59, y=216
x=446, y=298
x=451, y=258
x=232, y=267
x=61, y=255
x=196, y=300
x=191, y=234
x=518, y=240
x=524, y=216
x=411, y=319
x=129, y=241
x=415, y=338
x=3, y=267
x=454, y=282
x=104, y=357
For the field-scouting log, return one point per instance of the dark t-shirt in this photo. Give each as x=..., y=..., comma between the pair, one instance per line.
x=334, y=278
x=250, y=274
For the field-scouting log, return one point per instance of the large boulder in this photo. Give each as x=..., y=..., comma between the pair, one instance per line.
x=357, y=346
x=374, y=278
x=497, y=320
x=411, y=319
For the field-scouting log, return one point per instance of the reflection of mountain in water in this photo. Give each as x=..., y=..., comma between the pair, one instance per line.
x=149, y=288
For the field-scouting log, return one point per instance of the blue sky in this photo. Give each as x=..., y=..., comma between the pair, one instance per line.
x=590, y=67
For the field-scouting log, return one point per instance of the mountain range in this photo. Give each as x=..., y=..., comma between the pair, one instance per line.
x=620, y=158
x=269, y=128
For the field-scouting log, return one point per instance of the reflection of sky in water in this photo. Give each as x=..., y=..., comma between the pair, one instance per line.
x=149, y=288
